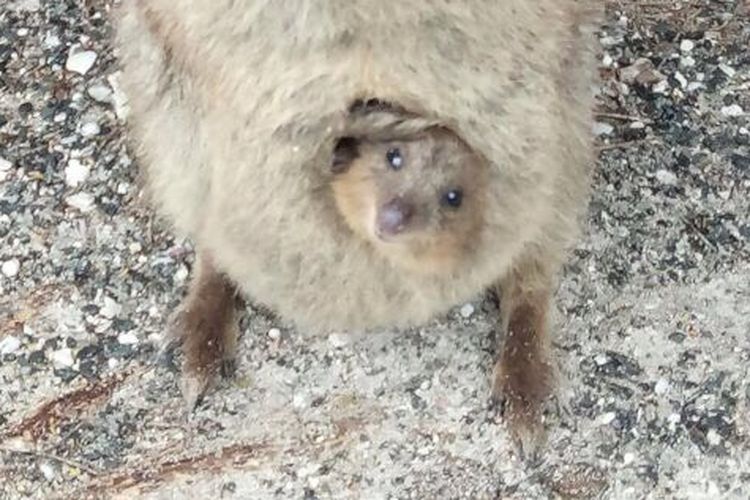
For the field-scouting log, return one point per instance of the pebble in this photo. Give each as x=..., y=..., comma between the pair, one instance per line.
x=666, y=177
x=9, y=345
x=687, y=62
x=90, y=129
x=338, y=340
x=274, y=334
x=662, y=87
x=110, y=308
x=51, y=41
x=81, y=201
x=467, y=311
x=732, y=111
x=47, y=470
x=80, y=61
x=75, y=173
x=661, y=387
x=600, y=128
x=687, y=45
x=10, y=268
x=5, y=165
x=62, y=358
x=629, y=74
x=727, y=70
x=127, y=338
x=601, y=359
x=119, y=99
x=681, y=79
x=713, y=437
x=181, y=274
x=100, y=93
x=300, y=400
x=607, y=418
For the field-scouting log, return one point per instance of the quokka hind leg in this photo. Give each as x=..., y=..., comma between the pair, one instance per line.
x=524, y=375
x=206, y=326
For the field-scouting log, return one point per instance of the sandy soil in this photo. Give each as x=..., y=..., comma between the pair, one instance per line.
x=653, y=313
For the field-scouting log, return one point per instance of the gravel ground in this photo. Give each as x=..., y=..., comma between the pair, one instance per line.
x=653, y=311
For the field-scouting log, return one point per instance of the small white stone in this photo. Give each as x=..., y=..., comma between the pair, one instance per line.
x=300, y=401
x=607, y=61
x=81, y=201
x=628, y=458
x=25, y=5
x=693, y=86
x=127, y=338
x=732, y=111
x=80, y=61
x=601, y=359
x=308, y=470
x=51, y=41
x=119, y=99
x=637, y=125
x=90, y=129
x=112, y=363
x=467, y=311
x=674, y=419
x=62, y=358
x=5, y=165
x=661, y=87
x=47, y=470
x=10, y=268
x=9, y=345
x=274, y=334
x=110, y=308
x=666, y=177
x=687, y=62
x=687, y=45
x=662, y=386
x=76, y=173
x=338, y=340
x=100, y=93
x=60, y=117
x=727, y=70
x=181, y=274
x=713, y=437
x=22, y=32
x=601, y=128
x=681, y=79
x=607, y=418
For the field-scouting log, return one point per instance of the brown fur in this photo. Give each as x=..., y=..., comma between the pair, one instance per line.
x=237, y=107
x=524, y=372
x=206, y=326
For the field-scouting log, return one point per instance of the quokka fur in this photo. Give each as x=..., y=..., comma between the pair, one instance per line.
x=236, y=107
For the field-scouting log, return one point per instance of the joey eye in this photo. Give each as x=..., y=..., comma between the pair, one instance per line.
x=395, y=160
x=453, y=198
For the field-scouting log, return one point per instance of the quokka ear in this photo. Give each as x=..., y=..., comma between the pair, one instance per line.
x=345, y=152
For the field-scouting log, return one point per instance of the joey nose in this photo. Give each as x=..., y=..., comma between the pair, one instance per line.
x=394, y=216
